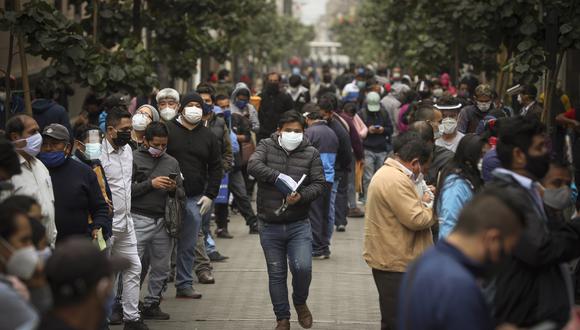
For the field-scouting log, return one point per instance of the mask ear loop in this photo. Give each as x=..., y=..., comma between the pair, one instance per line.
x=7, y=246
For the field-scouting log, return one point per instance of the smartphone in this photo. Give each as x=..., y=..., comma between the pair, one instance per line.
x=172, y=176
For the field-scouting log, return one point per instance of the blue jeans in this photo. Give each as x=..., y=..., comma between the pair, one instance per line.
x=186, y=244
x=373, y=162
x=283, y=245
x=205, y=226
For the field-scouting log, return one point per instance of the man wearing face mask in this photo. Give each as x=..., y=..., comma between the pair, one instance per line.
x=155, y=176
x=285, y=232
x=557, y=191
x=352, y=90
x=274, y=103
x=450, y=137
x=196, y=149
x=81, y=280
x=34, y=180
x=240, y=104
x=144, y=115
x=441, y=290
x=80, y=208
x=168, y=103
x=117, y=160
x=534, y=284
x=397, y=223
x=471, y=115
x=18, y=262
x=527, y=99
x=300, y=94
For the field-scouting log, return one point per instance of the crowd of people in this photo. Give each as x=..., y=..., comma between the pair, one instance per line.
x=468, y=204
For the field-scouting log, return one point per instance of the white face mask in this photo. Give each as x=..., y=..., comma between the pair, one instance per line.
x=290, y=140
x=520, y=99
x=448, y=125
x=140, y=122
x=168, y=113
x=483, y=106
x=438, y=92
x=192, y=114
x=22, y=263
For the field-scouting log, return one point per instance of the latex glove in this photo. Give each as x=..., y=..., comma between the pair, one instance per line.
x=205, y=204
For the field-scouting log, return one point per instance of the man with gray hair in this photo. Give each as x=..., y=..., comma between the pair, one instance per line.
x=167, y=103
x=392, y=103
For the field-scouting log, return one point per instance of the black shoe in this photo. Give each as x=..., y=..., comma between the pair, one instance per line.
x=154, y=312
x=341, y=228
x=205, y=277
x=187, y=293
x=223, y=233
x=254, y=229
x=116, y=317
x=216, y=256
x=135, y=325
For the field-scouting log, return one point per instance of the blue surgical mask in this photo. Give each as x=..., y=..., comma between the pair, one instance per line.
x=241, y=104
x=52, y=159
x=93, y=150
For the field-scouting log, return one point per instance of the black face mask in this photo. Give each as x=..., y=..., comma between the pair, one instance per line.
x=538, y=166
x=272, y=87
x=123, y=137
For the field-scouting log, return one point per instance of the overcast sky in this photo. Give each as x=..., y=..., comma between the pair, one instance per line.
x=312, y=10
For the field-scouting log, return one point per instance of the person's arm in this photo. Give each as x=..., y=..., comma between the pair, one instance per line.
x=356, y=142
x=254, y=120
x=98, y=207
x=452, y=200
x=214, y=169
x=257, y=165
x=462, y=121
x=139, y=188
x=228, y=155
x=317, y=181
x=409, y=209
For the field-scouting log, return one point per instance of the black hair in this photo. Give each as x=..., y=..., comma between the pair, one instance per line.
x=327, y=78
x=92, y=99
x=45, y=89
x=8, y=216
x=448, y=100
x=80, y=131
x=314, y=115
x=530, y=90
x=22, y=203
x=206, y=88
x=291, y=116
x=464, y=164
x=16, y=124
x=38, y=231
x=350, y=108
x=156, y=129
x=409, y=146
x=9, y=160
x=115, y=114
x=424, y=130
x=220, y=97
x=310, y=107
x=488, y=210
x=421, y=112
x=328, y=102
x=295, y=80
x=223, y=73
x=516, y=132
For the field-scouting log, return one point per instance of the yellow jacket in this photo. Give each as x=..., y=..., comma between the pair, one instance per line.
x=397, y=223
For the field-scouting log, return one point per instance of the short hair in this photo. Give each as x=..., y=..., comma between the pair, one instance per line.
x=9, y=160
x=328, y=102
x=295, y=80
x=409, y=146
x=530, y=90
x=92, y=99
x=223, y=73
x=38, y=231
x=45, y=89
x=516, y=132
x=22, y=203
x=115, y=115
x=8, y=216
x=156, y=129
x=291, y=116
x=487, y=210
x=220, y=97
x=80, y=131
x=424, y=130
x=350, y=108
x=16, y=124
x=423, y=112
x=205, y=88
x=314, y=115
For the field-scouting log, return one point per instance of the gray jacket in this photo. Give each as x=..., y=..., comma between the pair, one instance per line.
x=268, y=161
x=248, y=111
x=146, y=200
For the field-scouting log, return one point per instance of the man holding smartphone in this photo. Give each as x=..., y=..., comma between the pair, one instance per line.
x=155, y=176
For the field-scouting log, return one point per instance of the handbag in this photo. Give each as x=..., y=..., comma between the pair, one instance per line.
x=248, y=149
x=174, y=212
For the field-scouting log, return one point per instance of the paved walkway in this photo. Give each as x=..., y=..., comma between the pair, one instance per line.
x=342, y=293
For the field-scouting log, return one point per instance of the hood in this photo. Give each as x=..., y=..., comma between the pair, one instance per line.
x=42, y=105
x=239, y=87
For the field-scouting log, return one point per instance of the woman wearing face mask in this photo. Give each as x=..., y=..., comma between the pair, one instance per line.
x=19, y=265
x=458, y=182
x=142, y=117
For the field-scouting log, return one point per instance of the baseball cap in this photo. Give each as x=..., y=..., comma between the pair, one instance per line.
x=483, y=90
x=373, y=101
x=56, y=131
x=76, y=267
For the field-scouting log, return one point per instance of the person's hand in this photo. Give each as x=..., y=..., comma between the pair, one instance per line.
x=94, y=233
x=372, y=130
x=380, y=130
x=161, y=182
x=293, y=198
x=173, y=185
x=38, y=279
x=427, y=198
x=432, y=188
x=204, y=204
x=19, y=287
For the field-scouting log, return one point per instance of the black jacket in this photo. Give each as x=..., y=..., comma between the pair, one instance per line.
x=199, y=157
x=47, y=112
x=344, y=154
x=441, y=157
x=241, y=125
x=272, y=107
x=530, y=287
x=269, y=160
x=217, y=125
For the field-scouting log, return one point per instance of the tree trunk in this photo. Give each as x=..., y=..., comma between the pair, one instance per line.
x=8, y=100
x=95, y=20
x=137, y=19
x=24, y=66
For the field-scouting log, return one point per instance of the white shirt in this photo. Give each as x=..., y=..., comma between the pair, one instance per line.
x=118, y=166
x=450, y=145
x=420, y=184
x=35, y=181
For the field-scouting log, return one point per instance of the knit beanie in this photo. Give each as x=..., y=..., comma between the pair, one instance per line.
x=154, y=112
x=190, y=97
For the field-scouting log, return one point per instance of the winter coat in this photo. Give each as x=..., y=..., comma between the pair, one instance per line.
x=272, y=106
x=266, y=164
x=47, y=112
x=325, y=141
x=248, y=111
x=456, y=191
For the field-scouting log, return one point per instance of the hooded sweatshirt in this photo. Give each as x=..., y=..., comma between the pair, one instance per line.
x=248, y=109
x=47, y=112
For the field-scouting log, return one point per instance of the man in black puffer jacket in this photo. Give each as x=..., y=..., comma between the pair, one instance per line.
x=285, y=232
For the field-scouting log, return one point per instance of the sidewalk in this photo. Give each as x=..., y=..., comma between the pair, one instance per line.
x=342, y=295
